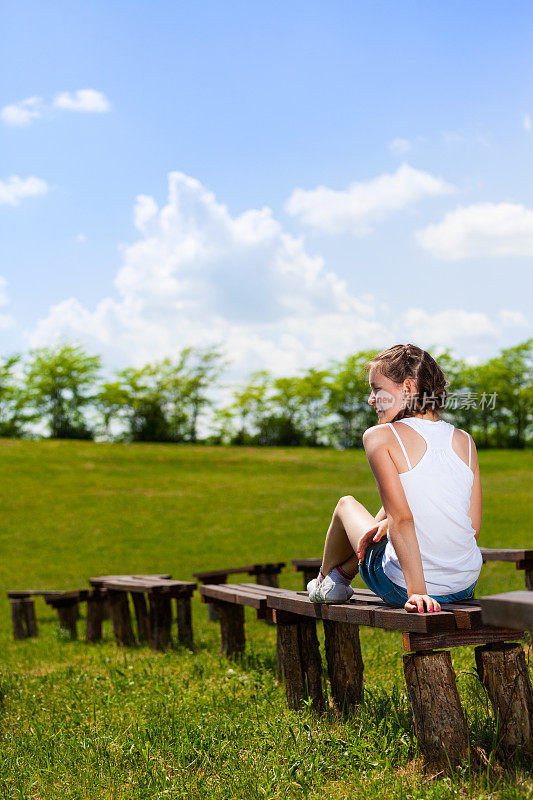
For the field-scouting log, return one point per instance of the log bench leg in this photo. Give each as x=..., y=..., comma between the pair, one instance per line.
x=141, y=615
x=309, y=573
x=121, y=617
x=503, y=671
x=345, y=664
x=302, y=665
x=31, y=620
x=160, y=621
x=184, y=619
x=96, y=603
x=279, y=654
x=267, y=579
x=439, y=721
x=68, y=618
x=232, y=635
x=23, y=617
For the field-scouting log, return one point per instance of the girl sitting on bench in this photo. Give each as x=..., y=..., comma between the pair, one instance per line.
x=420, y=549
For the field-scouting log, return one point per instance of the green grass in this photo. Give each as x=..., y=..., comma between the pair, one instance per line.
x=96, y=721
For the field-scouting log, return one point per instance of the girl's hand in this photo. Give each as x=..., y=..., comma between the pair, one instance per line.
x=377, y=532
x=416, y=603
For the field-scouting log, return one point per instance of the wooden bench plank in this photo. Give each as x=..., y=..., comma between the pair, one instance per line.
x=374, y=615
x=127, y=583
x=249, y=569
x=506, y=554
x=229, y=593
x=509, y=609
x=461, y=638
x=467, y=614
x=19, y=594
x=256, y=587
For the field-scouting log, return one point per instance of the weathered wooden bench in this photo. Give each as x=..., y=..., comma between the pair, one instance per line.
x=66, y=603
x=265, y=575
x=512, y=609
x=438, y=716
x=522, y=558
x=23, y=615
x=154, y=618
x=229, y=601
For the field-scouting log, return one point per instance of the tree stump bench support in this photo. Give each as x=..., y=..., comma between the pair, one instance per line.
x=66, y=604
x=438, y=717
x=265, y=575
x=152, y=597
x=504, y=673
x=230, y=601
x=23, y=616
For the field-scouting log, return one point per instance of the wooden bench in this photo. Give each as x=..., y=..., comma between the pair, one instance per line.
x=154, y=619
x=265, y=575
x=439, y=720
x=512, y=609
x=23, y=615
x=522, y=558
x=229, y=601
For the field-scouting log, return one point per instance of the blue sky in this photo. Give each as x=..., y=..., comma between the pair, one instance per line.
x=414, y=118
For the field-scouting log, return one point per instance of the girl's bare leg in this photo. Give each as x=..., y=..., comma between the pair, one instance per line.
x=349, y=522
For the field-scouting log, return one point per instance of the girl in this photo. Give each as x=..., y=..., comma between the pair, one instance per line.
x=420, y=549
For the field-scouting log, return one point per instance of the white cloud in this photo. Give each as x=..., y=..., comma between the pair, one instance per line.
x=400, y=146
x=81, y=238
x=480, y=230
x=358, y=208
x=197, y=275
x=512, y=318
x=6, y=321
x=23, y=113
x=86, y=100
x=526, y=123
x=455, y=327
x=15, y=189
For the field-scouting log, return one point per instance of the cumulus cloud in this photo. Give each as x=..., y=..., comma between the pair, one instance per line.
x=23, y=113
x=88, y=101
x=6, y=320
x=197, y=275
x=15, y=189
x=455, y=327
x=400, y=146
x=512, y=319
x=362, y=205
x=480, y=230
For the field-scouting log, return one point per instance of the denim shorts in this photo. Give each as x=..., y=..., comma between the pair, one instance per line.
x=371, y=571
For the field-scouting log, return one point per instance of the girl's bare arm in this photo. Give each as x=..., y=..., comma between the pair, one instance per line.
x=476, y=499
x=400, y=519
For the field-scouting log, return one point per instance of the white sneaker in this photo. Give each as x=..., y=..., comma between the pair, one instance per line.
x=328, y=591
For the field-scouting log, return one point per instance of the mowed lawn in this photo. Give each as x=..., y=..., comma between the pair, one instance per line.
x=96, y=721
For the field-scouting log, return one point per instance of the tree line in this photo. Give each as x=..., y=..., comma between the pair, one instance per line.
x=60, y=392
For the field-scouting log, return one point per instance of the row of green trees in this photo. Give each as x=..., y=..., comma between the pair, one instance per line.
x=60, y=392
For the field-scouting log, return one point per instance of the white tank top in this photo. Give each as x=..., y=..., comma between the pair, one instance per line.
x=438, y=490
